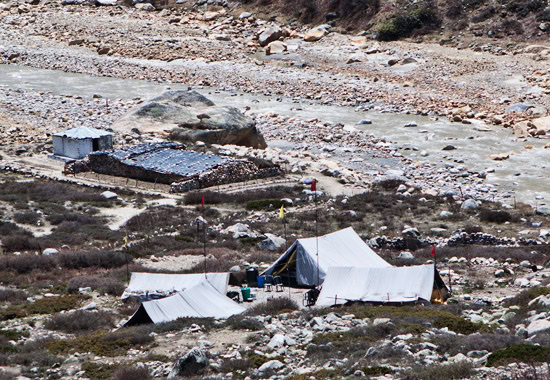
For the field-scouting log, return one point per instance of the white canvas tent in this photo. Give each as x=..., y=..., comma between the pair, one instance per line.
x=387, y=285
x=298, y=265
x=200, y=301
x=146, y=286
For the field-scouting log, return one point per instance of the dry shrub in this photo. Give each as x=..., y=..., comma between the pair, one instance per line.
x=243, y=322
x=108, y=285
x=100, y=259
x=132, y=373
x=11, y=295
x=454, y=344
x=460, y=370
x=273, y=307
x=80, y=321
x=27, y=263
x=26, y=217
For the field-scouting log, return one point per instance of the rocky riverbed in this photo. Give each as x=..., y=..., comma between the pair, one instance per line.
x=454, y=117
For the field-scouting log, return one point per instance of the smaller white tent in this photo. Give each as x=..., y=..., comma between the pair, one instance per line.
x=80, y=141
x=199, y=301
x=146, y=286
x=387, y=285
x=298, y=265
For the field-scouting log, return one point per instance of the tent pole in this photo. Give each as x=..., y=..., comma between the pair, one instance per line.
x=317, y=235
x=204, y=236
x=286, y=248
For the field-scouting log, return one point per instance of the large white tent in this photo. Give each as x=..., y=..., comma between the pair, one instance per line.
x=200, y=301
x=386, y=285
x=298, y=265
x=146, y=286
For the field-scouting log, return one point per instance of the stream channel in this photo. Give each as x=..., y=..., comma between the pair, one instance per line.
x=525, y=176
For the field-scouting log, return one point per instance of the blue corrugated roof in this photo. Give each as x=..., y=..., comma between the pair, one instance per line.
x=166, y=158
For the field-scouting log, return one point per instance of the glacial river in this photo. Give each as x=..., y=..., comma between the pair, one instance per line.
x=525, y=175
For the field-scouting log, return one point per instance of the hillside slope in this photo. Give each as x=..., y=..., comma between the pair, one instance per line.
x=516, y=19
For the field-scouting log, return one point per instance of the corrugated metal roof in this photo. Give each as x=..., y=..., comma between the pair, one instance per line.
x=167, y=158
x=83, y=133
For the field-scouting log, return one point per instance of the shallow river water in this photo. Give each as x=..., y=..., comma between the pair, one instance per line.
x=525, y=175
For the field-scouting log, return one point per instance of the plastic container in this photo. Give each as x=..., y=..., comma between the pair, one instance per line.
x=261, y=281
x=251, y=276
x=246, y=293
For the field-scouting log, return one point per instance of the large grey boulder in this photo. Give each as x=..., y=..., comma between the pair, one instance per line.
x=190, y=364
x=189, y=116
x=271, y=242
x=269, y=35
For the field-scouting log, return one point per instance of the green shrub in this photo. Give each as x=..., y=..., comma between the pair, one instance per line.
x=100, y=370
x=404, y=24
x=104, y=344
x=264, y=204
x=519, y=353
x=377, y=371
x=522, y=299
x=100, y=259
x=48, y=305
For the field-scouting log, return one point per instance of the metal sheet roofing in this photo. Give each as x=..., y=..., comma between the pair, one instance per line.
x=166, y=158
x=83, y=133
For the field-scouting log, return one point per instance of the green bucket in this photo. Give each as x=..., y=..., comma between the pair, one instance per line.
x=246, y=293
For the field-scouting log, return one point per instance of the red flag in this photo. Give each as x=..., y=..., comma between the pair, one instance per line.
x=202, y=204
x=314, y=185
x=433, y=250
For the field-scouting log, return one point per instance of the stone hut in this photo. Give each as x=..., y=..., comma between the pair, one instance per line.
x=79, y=142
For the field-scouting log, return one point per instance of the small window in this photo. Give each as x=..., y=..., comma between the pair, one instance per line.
x=95, y=145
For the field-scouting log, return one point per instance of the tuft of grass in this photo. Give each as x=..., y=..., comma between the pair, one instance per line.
x=132, y=373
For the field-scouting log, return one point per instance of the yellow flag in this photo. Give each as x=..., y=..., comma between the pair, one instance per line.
x=282, y=212
x=126, y=240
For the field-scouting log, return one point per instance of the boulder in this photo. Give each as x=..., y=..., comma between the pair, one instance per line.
x=272, y=243
x=269, y=35
x=469, y=204
x=315, y=34
x=405, y=255
x=271, y=365
x=190, y=364
x=105, y=2
x=499, y=156
x=189, y=116
x=275, y=47
x=538, y=326
x=50, y=251
x=109, y=195
x=519, y=107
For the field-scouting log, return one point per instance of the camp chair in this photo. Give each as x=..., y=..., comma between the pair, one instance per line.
x=310, y=297
x=278, y=282
x=268, y=283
